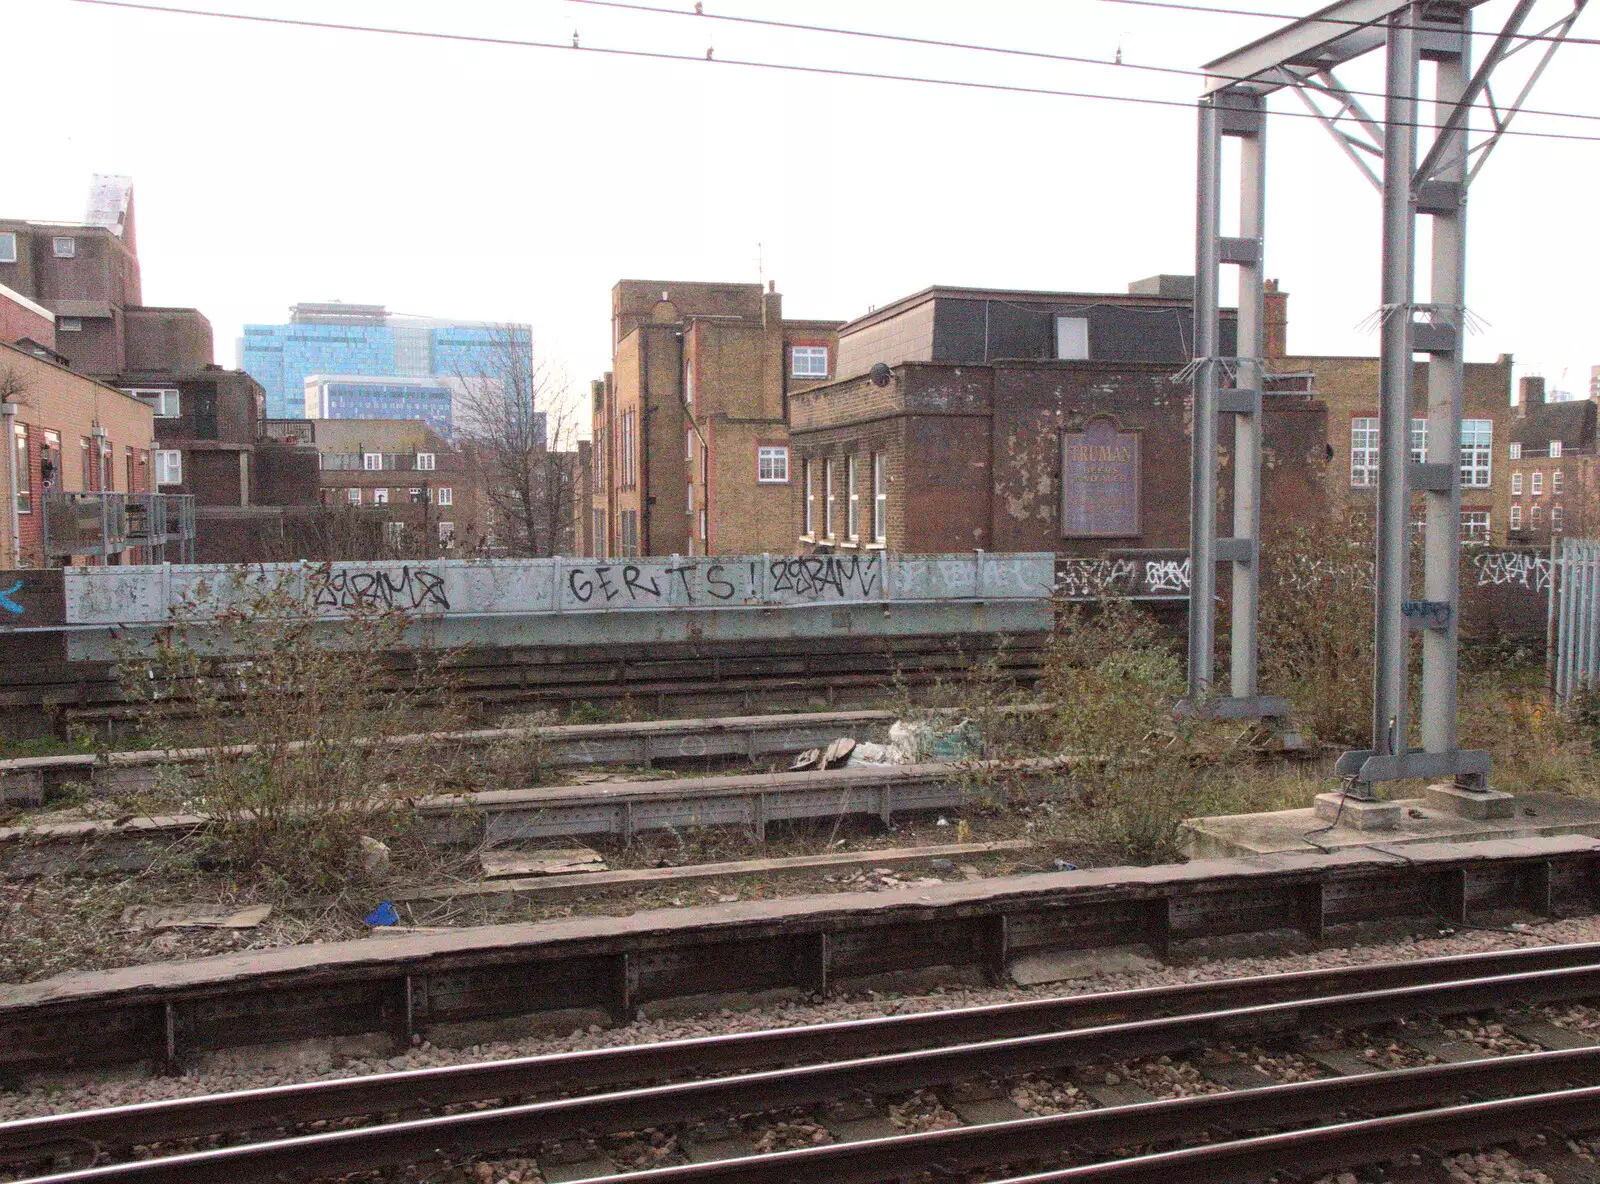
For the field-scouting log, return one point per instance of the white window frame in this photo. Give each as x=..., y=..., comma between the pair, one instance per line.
x=8, y=246
x=1558, y=481
x=880, y=499
x=445, y=495
x=353, y=495
x=166, y=402
x=69, y=324
x=169, y=466
x=852, y=484
x=1471, y=521
x=64, y=246
x=1516, y=484
x=394, y=533
x=1557, y=520
x=704, y=526
x=1477, y=453
x=688, y=445
x=1419, y=441
x=1555, y=449
x=1515, y=450
x=808, y=508
x=808, y=361
x=1516, y=516
x=380, y=496
x=447, y=532
x=372, y=462
x=425, y=462
x=772, y=464
x=829, y=499
x=1072, y=339
x=1536, y=483
x=1535, y=515
x=1364, y=451
x=22, y=466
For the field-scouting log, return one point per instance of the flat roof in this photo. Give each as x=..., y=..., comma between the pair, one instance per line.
x=950, y=292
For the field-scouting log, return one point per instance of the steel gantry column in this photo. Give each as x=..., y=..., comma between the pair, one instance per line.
x=1230, y=385
x=1304, y=56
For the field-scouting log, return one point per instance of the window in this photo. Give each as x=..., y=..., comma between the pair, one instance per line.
x=394, y=533
x=1475, y=525
x=1072, y=339
x=447, y=532
x=1477, y=442
x=425, y=462
x=22, y=469
x=69, y=324
x=853, y=507
x=625, y=449
x=1535, y=515
x=688, y=444
x=772, y=464
x=446, y=496
x=372, y=462
x=1363, y=450
x=808, y=361
x=688, y=380
x=1557, y=480
x=630, y=533
x=703, y=528
x=1516, y=517
x=353, y=496
x=169, y=466
x=66, y=247
x=809, y=507
x=1516, y=451
x=599, y=529
x=827, y=498
x=688, y=498
x=1555, y=518
x=1536, y=483
x=1516, y=484
x=1555, y=448
x=880, y=499
x=1419, y=441
x=8, y=247
x=164, y=402
x=380, y=497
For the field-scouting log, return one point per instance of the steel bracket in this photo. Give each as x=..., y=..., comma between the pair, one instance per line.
x=1243, y=251
x=1429, y=337
x=1239, y=401
x=1440, y=197
x=1366, y=765
x=1250, y=707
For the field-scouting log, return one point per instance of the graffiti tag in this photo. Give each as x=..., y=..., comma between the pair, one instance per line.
x=409, y=589
x=1166, y=575
x=11, y=606
x=1498, y=569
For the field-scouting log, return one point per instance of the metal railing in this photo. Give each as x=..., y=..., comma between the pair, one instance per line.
x=355, y=462
x=1575, y=613
x=137, y=526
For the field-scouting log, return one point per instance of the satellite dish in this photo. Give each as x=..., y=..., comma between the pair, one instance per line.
x=880, y=374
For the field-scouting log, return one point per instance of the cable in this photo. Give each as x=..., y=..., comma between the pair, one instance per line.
x=1330, y=20
x=997, y=49
x=661, y=55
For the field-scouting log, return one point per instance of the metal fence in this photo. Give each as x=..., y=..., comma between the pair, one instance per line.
x=135, y=526
x=1575, y=613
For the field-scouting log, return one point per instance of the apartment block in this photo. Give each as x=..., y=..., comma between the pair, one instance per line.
x=690, y=450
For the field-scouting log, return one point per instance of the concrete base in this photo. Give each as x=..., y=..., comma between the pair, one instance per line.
x=1420, y=821
x=1465, y=803
x=1054, y=966
x=1357, y=813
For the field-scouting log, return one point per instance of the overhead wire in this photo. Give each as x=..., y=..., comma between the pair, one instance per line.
x=787, y=67
x=941, y=43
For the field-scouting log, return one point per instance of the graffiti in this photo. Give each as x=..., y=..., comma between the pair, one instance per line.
x=11, y=606
x=1499, y=569
x=1166, y=575
x=815, y=576
x=608, y=582
x=1096, y=577
x=409, y=589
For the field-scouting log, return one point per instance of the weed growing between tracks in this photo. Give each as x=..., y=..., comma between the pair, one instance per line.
x=294, y=712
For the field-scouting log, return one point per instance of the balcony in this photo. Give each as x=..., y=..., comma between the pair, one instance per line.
x=106, y=524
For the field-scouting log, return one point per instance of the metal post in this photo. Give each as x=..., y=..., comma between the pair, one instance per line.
x=1437, y=715
x=1203, y=461
x=1251, y=376
x=1389, y=729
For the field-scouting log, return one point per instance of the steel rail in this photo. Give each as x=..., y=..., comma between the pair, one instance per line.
x=478, y=1132
x=553, y=1074
x=1021, y=1141
x=1320, y=1149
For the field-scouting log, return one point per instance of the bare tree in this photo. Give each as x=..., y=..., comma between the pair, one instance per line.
x=521, y=416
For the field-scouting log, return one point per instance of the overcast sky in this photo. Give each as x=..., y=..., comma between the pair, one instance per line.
x=276, y=164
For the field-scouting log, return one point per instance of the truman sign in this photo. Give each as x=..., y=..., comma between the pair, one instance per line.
x=1100, y=482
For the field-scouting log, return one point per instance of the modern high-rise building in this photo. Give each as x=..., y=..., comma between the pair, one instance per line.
x=354, y=396
x=367, y=341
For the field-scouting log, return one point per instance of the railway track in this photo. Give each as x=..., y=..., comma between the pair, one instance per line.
x=705, y=1100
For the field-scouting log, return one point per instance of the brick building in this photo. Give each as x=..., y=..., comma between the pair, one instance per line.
x=65, y=433
x=1554, y=488
x=690, y=449
x=1348, y=386
x=427, y=491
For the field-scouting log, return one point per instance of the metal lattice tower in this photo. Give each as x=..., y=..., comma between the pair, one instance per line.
x=1303, y=57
